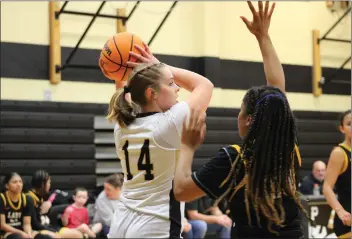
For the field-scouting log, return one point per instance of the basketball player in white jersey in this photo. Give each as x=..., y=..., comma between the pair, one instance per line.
x=147, y=137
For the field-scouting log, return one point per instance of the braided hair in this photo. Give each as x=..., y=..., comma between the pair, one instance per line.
x=267, y=154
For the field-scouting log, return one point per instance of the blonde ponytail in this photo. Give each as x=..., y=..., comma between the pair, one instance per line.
x=120, y=110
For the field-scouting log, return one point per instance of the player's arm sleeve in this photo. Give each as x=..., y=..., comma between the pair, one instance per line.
x=169, y=131
x=28, y=210
x=211, y=175
x=2, y=206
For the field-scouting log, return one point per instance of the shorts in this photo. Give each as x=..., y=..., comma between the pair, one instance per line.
x=128, y=223
x=339, y=228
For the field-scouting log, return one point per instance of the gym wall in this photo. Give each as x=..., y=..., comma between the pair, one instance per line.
x=208, y=37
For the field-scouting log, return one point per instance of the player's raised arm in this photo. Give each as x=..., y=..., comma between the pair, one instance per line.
x=200, y=87
x=259, y=27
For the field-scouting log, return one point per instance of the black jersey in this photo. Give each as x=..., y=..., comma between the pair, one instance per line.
x=14, y=211
x=36, y=214
x=213, y=174
x=343, y=182
x=343, y=190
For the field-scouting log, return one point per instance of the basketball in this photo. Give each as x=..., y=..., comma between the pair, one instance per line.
x=115, y=55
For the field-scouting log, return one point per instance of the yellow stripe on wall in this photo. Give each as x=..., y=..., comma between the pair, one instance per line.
x=68, y=91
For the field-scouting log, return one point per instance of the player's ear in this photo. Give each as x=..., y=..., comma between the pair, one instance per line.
x=341, y=129
x=150, y=94
x=249, y=120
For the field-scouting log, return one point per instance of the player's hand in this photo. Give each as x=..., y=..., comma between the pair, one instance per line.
x=193, y=133
x=260, y=24
x=187, y=226
x=221, y=220
x=45, y=207
x=228, y=221
x=145, y=56
x=344, y=216
x=69, y=210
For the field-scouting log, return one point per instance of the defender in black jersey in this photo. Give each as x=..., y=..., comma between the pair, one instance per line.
x=257, y=179
x=338, y=175
x=15, y=209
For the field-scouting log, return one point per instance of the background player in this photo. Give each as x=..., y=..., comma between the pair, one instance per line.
x=258, y=179
x=339, y=174
x=15, y=209
x=147, y=139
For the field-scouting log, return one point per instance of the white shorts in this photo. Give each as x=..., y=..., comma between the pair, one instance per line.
x=127, y=223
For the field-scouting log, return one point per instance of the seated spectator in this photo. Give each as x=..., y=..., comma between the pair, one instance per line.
x=76, y=215
x=15, y=211
x=41, y=184
x=107, y=201
x=315, y=179
x=198, y=229
x=205, y=218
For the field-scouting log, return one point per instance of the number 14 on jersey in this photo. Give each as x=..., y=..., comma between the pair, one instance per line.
x=144, y=156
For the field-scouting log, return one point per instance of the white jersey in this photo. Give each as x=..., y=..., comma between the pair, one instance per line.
x=149, y=149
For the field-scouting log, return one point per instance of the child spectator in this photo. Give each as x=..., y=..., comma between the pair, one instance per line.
x=76, y=215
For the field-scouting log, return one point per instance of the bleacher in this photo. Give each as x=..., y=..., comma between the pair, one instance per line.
x=57, y=137
x=75, y=144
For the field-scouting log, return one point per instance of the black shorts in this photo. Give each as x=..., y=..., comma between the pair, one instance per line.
x=293, y=230
x=339, y=227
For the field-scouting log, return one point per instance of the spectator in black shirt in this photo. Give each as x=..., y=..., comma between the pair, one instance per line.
x=315, y=179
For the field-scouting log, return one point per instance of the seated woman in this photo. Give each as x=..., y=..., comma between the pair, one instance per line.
x=107, y=201
x=41, y=183
x=15, y=210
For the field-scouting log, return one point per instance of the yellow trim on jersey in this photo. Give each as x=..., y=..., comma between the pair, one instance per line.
x=298, y=155
x=348, y=147
x=345, y=164
x=347, y=235
x=35, y=198
x=10, y=201
x=3, y=199
x=237, y=147
x=24, y=200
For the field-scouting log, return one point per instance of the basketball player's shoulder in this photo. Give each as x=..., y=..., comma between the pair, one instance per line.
x=180, y=109
x=338, y=152
x=117, y=127
x=231, y=151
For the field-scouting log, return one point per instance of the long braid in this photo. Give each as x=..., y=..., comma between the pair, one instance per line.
x=268, y=156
